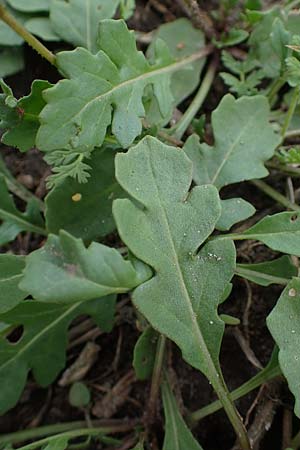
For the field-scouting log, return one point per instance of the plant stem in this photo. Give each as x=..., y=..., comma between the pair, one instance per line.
x=232, y=413
x=68, y=435
x=242, y=272
x=180, y=128
x=295, y=444
x=275, y=87
x=156, y=377
x=290, y=112
x=292, y=133
x=268, y=190
x=288, y=169
x=263, y=376
x=292, y=5
x=10, y=20
x=48, y=430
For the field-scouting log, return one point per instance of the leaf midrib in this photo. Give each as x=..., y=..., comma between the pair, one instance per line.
x=212, y=372
x=8, y=216
x=37, y=336
x=231, y=150
x=148, y=75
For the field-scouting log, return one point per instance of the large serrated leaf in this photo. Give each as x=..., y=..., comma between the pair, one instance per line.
x=177, y=434
x=11, y=268
x=284, y=325
x=111, y=85
x=91, y=216
x=64, y=271
x=76, y=21
x=42, y=346
x=244, y=140
x=164, y=225
x=13, y=220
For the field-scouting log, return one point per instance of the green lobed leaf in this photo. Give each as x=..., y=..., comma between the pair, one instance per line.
x=30, y=5
x=64, y=271
x=278, y=271
x=21, y=122
x=235, y=156
x=13, y=220
x=177, y=434
x=182, y=40
x=164, y=225
x=284, y=325
x=112, y=85
x=234, y=210
x=42, y=27
x=76, y=21
x=11, y=61
x=8, y=36
x=42, y=347
x=281, y=232
x=11, y=268
x=144, y=354
x=89, y=217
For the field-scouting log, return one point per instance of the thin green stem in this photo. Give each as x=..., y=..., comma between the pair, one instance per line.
x=274, y=88
x=10, y=20
x=291, y=110
x=292, y=133
x=288, y=169
x=268, y=190
x=156, y=377
x=292, y=5
x=50, y=430
x=182, y=125
x=295, y=444
x=68, y=435
x=242, y=272
x=265, y=375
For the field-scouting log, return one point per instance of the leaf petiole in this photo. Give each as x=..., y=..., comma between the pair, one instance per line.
x=31, y=40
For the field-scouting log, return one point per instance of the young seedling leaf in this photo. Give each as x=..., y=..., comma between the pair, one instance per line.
x=11, y=268
x=42, y=346
x=281, y=232
x=13, y=220
x=278, y=271
x=112, y=85
x=79, y=395
x=64, y=271
x=284, y=325
x=164, y=225
x=21, y=120
x=87, y=208
x=234, y=210
x=177, y=434
x=76, y=21
x=144, y=353
x=235, y=156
